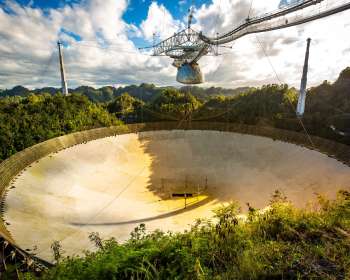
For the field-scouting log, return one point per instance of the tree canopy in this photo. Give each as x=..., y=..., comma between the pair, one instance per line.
x=27, y=121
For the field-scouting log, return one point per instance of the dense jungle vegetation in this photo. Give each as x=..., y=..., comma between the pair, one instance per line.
x=28, y=117
x=27, y=121
x=279, y=243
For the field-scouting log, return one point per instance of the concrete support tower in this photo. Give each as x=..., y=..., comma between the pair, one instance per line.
x=63, y=74
x=302, y=94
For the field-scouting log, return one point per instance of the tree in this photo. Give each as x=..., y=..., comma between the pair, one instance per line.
x=126, y=107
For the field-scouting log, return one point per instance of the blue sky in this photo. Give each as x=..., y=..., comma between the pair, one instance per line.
x=137, y=10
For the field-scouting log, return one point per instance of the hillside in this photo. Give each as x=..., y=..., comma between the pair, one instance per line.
x=144, y=92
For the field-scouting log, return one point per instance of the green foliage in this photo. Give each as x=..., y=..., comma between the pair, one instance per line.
x=56, y=248
x=274, y=105
x=172, y=104
x=27, y=121
x=16, y=91
x=281, y=242
x=204, y=94
x=126, y=107
x=261, y=105
x=329, y=104
x=103, y=94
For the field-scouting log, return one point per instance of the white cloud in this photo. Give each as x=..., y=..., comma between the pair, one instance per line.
x=247, y=65
x=160, y=22
x=108, y=56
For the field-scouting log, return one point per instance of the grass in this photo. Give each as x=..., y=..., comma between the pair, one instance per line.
x=281, y=242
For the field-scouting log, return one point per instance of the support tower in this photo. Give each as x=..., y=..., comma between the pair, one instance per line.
x=63, y=74
x=302, y=94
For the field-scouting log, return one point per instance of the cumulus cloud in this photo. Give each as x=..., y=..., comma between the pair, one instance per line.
x=247, y=63
x=160, y=22
x=106, y=55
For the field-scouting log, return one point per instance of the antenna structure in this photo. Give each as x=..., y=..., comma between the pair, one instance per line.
x=62, y=70
x=302, y=95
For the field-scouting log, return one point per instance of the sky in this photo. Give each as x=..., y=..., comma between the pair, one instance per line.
x=101, y=40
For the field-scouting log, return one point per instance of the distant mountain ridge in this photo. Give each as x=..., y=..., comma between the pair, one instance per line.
x=144, y=91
